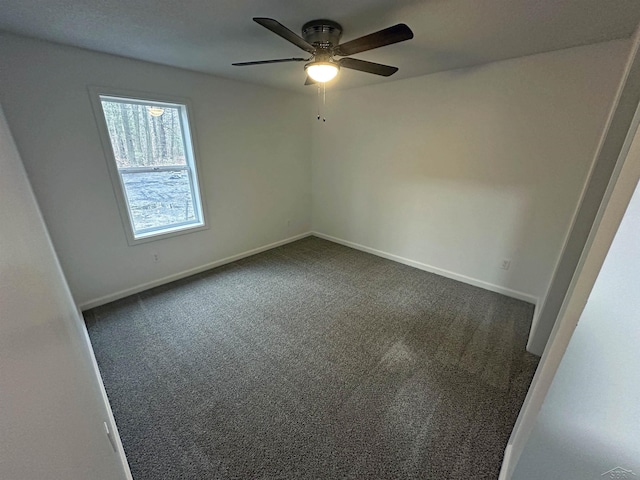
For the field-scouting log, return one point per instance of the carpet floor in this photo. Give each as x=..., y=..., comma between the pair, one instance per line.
x=314, y=361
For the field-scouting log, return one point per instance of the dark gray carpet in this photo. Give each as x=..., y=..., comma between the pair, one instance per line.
x=314, y=361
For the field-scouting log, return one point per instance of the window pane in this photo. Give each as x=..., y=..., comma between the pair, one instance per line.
x=153, y=155
x=144, y=135
x=159, y=199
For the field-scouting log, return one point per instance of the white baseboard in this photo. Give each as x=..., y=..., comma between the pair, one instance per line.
x=186, y=273
x=396, y=258
x=504, y=469
x=438, y=271
x=534, y=325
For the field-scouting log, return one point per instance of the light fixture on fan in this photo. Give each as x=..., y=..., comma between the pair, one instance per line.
x=321, y=71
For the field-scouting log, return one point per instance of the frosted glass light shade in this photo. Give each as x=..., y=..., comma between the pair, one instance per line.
x=322, y=71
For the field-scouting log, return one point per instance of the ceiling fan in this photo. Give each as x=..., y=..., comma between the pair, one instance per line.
x=321, y=39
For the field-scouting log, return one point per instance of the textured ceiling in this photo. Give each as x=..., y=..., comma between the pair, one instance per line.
x=209, y=35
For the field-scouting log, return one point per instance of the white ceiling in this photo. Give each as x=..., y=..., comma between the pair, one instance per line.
x=208, y=35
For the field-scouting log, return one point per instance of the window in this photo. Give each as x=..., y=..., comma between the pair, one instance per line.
x=152, y=166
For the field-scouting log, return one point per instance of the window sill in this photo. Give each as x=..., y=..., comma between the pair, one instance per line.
x=166, y=233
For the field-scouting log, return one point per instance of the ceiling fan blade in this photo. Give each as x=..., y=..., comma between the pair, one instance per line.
x=284, y=32
x=388, y=36
x=369, y=67
x=262, y=62
x=310, y=81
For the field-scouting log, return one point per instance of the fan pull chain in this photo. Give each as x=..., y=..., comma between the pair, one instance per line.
x=324, y=100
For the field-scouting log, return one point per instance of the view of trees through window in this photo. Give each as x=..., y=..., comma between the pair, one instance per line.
x=144, y=135
x=148, y=143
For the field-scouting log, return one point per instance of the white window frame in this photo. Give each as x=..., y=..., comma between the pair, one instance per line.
x=192, y=167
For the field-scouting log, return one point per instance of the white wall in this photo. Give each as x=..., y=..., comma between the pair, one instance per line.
x=590, y=419
x=618, y=168
x=608, y=154
x=52, y=406
x=453, y=171
x=461, y=169
x=253, y=148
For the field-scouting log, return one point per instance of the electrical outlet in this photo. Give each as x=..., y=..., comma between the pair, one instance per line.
x=506, y=263
x=156, y=258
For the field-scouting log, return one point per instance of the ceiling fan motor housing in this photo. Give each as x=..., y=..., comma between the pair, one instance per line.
x=324, y=34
